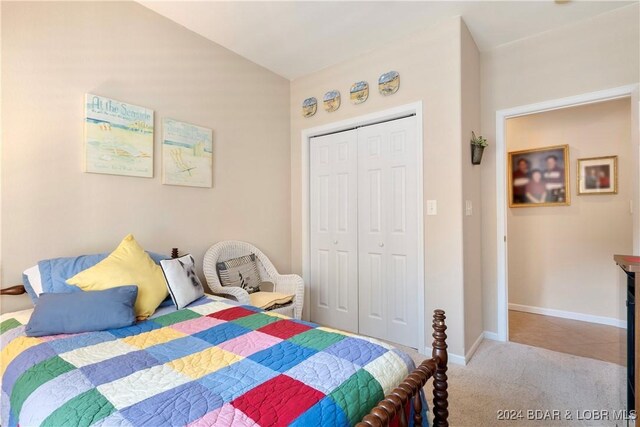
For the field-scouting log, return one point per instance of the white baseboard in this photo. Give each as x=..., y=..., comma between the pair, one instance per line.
x=570, y=315
x=472, y=350
x=453, y=358
x=491, y=336
x=458, y=359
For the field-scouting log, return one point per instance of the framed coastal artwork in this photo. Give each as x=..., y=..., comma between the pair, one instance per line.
x=118, y=137
x=539, y=177
x=187, y=154
x=598, y=175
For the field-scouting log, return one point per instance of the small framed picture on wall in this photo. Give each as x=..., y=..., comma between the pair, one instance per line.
x=598, y=175
x=539, y=177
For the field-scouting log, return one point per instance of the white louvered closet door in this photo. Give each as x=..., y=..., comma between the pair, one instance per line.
x=388, y=241
x=334, y=230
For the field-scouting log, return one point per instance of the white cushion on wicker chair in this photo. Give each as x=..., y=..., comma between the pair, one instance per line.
x=267, y=300
x=283, y=283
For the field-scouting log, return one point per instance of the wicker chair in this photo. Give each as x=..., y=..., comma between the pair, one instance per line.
x=287, y=283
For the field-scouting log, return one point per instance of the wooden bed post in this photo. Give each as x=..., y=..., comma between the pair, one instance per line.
x=14, y=290
x=408, y=392
x=439, y=353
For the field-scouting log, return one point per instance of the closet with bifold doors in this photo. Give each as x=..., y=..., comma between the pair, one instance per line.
x=364, y=230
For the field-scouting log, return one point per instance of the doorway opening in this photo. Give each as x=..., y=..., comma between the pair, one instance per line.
x=555, y=266
x=570, y=210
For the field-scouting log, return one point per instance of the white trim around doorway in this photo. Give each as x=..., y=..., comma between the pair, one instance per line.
x=501, y=179
x=377, y=117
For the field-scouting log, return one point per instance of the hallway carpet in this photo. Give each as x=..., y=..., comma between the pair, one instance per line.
x=520, y=378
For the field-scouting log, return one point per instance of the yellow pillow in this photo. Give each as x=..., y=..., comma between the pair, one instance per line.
x=129, y=264
x=265, y=300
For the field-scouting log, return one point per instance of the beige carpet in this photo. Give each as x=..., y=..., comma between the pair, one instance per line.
x=511, y=376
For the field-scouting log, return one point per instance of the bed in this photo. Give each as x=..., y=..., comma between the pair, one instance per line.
x=215, y=362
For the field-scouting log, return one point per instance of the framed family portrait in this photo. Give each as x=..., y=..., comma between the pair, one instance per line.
x=598, y=175
x=539, y=177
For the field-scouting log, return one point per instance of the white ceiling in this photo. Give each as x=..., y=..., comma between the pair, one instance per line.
x=295, y=38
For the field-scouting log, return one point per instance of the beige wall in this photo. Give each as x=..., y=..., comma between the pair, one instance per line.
x=471, y=191
x=54, y=53
x=595, y=54
x=429, y=67
x=560, y=257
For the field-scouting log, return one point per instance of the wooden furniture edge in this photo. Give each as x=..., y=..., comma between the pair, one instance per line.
x=631, y=264
x=394, y=403
x=13, y=290
x=19, y=289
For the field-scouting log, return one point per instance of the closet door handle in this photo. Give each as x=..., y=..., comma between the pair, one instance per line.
x=381, y=244
x=335, y=242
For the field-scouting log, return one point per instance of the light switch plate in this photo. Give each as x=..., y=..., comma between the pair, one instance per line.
x=432, y=207
x=468, y=208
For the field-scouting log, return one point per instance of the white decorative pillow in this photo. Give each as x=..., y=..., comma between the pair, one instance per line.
x=32, y=282
x=182, y=281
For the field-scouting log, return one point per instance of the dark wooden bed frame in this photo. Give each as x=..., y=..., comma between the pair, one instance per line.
x=394, y=403
x=407, y=392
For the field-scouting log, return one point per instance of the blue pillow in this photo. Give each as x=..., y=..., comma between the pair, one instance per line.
x=70, y=313
x=167, y=302
x=55, y=272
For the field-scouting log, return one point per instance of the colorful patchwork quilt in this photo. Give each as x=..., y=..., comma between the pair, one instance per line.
x=212, y=363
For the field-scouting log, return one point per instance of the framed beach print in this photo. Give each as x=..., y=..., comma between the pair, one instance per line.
x=598, y=175
x=118, y=137
x=187, y=154
x=539, y=177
